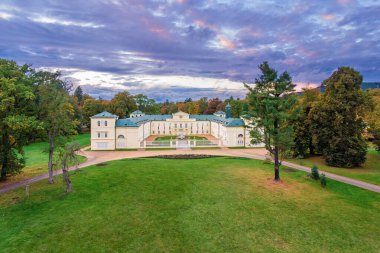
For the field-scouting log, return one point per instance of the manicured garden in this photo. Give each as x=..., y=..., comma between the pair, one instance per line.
x=36, y=158
x=194, y=205
x=369, y=172
x=173, y=137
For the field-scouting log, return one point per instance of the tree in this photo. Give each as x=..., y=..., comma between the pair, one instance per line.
x=90, y=108
x=122, y=104
x=55, y=111
x=303, y=137
x=146, y=104
x=78, y=93
x=237, y=108
x=372, y=117
x=212, y=106
x=66, y=157
x=338, y=119
x=202, y=105
x=273, y=100
x=16, y=114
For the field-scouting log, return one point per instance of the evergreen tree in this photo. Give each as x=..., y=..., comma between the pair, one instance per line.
x=78, y=93
x=337, y=119
x=314, y=172
x=273, y=100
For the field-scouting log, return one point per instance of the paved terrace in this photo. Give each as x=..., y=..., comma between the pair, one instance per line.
x=95, y=157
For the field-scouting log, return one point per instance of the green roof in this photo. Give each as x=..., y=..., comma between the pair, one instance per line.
x=137, y=121
x=105, y=115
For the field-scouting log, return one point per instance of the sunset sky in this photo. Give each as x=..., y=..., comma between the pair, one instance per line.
x=182, y=48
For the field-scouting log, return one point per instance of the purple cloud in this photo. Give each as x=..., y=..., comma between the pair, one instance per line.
x=125, y=43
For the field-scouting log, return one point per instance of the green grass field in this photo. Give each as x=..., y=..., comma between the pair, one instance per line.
x=200, y=205
x=204, y=148
x=369, y=172
x=36, y=158
x=173, y=137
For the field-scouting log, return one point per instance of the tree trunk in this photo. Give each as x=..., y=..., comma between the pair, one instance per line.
x=276, y=153
x=6, y=148
x=66, y=175
x=50, y=163
x=276, y=165
x=311, y=146
x=66, y=179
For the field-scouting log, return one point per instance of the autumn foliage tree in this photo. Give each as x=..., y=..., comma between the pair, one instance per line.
x=122, y=104
x=212, y=106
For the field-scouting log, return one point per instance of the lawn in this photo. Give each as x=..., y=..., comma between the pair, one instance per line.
x=172, y=137
x=201, y=205
x=369, y=172
x=36, y=158
x=204, y=148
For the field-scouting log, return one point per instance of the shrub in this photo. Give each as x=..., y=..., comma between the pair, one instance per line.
x=323, y=180
x=267, y=160
x=314, y=173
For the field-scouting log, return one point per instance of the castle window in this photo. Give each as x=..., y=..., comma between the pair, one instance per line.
x=105, y=123
x=102, y=134
x=98, y=122
x=120, y=136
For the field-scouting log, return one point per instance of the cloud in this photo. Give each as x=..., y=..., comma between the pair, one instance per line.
x=151, y=46
x=55, y=21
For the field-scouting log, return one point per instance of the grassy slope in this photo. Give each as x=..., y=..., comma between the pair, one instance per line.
x=369, y=172
x=203, y=205
x=37, y=158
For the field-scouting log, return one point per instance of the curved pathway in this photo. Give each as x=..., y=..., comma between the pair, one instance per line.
x=95, y=157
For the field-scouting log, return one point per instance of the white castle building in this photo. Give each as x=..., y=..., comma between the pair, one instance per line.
x=108, y=132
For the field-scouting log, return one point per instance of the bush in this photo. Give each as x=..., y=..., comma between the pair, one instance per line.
x=323, y=180
x=314, y=173
x=267, y=160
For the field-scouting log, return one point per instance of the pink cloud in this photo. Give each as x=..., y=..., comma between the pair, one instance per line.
x=225, y=42
x=156, y=28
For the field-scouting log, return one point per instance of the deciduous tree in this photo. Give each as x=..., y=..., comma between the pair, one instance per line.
x=122, y=104
x=55, y=111
x=67, y=157
x=16, y=114
x=303, y=137
x=338, y=119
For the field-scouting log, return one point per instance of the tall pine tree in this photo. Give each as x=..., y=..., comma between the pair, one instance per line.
x=272, y=100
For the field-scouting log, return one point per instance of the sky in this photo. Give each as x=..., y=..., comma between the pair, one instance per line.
x=177, y=49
